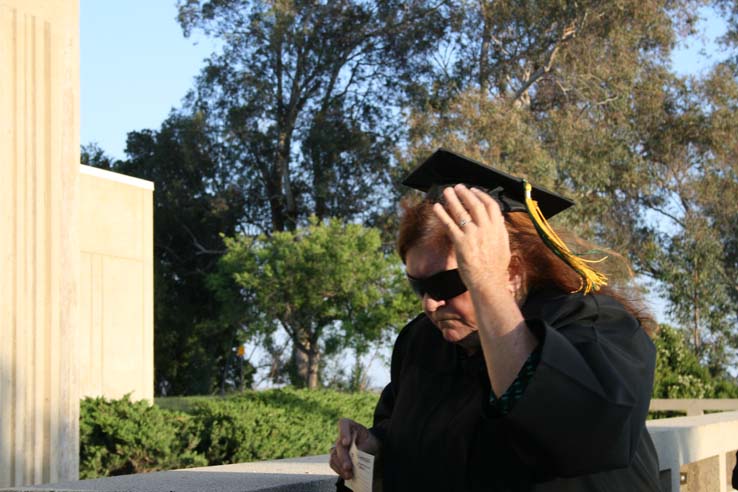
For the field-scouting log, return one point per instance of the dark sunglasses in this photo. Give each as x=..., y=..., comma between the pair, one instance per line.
x=441, y=286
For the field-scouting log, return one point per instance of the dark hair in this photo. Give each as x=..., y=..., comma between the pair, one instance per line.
x=542, y=268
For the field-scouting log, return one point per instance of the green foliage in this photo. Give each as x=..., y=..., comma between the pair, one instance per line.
x=276, y=424
x=93, y=155
x=678, y=371
x=329, y=286
x=120, y=437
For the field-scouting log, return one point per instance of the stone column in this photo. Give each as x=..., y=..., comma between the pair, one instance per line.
x=39, y=244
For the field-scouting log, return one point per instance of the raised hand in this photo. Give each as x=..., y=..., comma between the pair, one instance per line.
x=477, y=230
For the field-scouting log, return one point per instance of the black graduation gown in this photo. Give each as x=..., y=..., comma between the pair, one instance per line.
x=580, y=424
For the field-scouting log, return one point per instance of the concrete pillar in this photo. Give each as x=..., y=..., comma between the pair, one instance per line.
x=39, y=244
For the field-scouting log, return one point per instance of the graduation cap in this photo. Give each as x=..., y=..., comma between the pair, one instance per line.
x=446, y=168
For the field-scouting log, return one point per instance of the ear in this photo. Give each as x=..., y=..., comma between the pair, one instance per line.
x=515, y=268
x=516, y=278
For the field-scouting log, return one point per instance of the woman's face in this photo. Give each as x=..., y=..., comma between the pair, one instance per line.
x=455, y=317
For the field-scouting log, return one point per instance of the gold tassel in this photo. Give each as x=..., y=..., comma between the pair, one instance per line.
x=591, y=279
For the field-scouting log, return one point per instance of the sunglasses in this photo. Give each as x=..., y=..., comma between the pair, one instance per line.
x=441, y=286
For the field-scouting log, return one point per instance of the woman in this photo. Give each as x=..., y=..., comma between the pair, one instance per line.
x=509, y=380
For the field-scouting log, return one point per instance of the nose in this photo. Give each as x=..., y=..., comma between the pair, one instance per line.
x=430, y=305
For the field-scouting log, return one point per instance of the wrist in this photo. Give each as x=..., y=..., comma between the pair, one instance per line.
x=496, y=308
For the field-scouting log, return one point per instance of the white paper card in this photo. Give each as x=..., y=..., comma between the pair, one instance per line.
x=363, y=464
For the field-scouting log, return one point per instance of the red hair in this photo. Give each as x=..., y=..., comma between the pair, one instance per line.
x=541, y=267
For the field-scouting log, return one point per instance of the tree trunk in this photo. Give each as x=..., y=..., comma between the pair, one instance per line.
x=275, y=202
x=359, y=375
x=282, y=166
x=306, y=362
x=313, y=379
x=223, y=376
x=484, y=51
x=696, y=313
x=300, y=362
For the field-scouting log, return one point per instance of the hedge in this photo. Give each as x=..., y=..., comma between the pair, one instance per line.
x=121, y=436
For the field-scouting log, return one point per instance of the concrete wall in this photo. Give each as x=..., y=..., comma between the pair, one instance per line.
x=39, y=243
x=116, y=285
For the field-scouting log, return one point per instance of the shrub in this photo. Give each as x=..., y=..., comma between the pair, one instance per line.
x=118, y=437
x=275, y=424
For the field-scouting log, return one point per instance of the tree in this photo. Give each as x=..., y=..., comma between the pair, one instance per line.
x=552, y=90
x=304, y=97
x=328, y=285
x=94, y=155
x=303, y=112
x=691, y=248
x=678, y=371
x=580, y=97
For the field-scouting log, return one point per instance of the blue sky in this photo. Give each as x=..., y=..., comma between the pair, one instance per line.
x=135, y=67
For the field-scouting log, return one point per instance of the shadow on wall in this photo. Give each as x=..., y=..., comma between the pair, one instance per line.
x=8, y=453
x=26, y=443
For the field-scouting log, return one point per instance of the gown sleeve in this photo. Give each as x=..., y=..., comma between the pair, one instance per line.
x=383, y=413
x=584, y=408
x=386, y=403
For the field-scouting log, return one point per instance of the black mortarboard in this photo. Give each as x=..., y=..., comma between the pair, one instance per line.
x=514, y=194
x=445, y=167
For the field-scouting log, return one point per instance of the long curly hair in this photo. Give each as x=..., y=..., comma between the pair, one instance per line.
x=419, y=227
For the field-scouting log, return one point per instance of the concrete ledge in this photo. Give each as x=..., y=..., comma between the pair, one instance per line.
x=117, y=177
x=693, y=407
x=307, y=474
x=694, y=446
x=683, y=440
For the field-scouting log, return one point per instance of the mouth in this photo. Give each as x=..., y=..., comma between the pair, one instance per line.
x=442, y=321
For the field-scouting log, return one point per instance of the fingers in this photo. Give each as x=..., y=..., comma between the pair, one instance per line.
x=334, y=462
x=340, y=460
x=457, y=215
x=337, y=462
x=453, y=228
x=490, y=204
x=464, y=206
x=472, y=203
x=458, y=211
x=346, y=431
